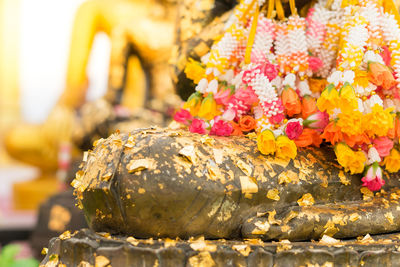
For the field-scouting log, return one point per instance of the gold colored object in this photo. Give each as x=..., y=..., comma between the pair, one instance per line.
x=144, y=29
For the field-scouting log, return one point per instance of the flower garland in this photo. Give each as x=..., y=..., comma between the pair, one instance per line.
x=333, y=76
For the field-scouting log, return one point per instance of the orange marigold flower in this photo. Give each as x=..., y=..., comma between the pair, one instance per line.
x=247, y=123
x=308, y=106
x=308, y=137
x=291, y=102
x=332, y=133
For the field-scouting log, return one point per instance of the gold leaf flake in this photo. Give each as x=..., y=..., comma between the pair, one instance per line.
x=169, y=243
x=244, y=167
x=215, y=174
x=132, y=240
x=44, y=251
x=367, y=194
x=343, y=178
x=248, y=185
x=205, y=139
x=85, y=156
x=285, y=228
x=292, y=214
x=136, y=165
x=273, y=194
x=98, y=142
x=327, y=240
x=242, y=249
x=101, y=261
x=141, y=191
x=65, y=235
x=389, y=217
x=283, y=246
x=201, y=245
x=130, y=142
x=218, y=155
x=330, y=228
x=306, y=200
x=188, y=153
x=261, y=228
x=288, y=177
x=367, y=239
x=271, y=218
x=84, y=264
x=354, y=217
x=106, y=177
x=203, y=259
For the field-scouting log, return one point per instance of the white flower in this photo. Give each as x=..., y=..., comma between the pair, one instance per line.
x=373, y=156
x=212, y=87
x=360, y=105
x=277, y=132
x=335, y=77
x=202, y=86
x=304, y=88
x=227, y=76
x=290, y=80
x=348, y=76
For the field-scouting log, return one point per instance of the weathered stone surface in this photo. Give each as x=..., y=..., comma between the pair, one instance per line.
x=171, y=183
x=87, y=246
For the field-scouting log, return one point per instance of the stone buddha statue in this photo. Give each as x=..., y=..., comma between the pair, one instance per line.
x=138, y=72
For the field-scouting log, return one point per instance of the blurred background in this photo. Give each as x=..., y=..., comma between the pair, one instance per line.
x=72, y=71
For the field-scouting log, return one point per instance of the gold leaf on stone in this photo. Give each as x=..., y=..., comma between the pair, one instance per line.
x=292, y=214
x=205, y=139
x=328, y=240
x=389, y=217
x=285, y=228
x=283, y=246
x=271, y=218
x=106, y=177
x=367, y=194
x=218, y=155
x=261, y=228
x=44, y=251
x=354, y=217
x=288, y=177
x=246, y=168
x=85, y=156
x=330, y=228
x=101, y=261
x=136, y=165
x=343, y=178
x=132, y=240
x=130, y=142
x=65, y=235
x=248, y=185
x=84, y=264
x=200, y=244
x=242, y=249
x=98, y=142
x=273, y=194
x=169, y=242
x=188, y=153
x=306, y=200
x=141, y=191
x=203, y=259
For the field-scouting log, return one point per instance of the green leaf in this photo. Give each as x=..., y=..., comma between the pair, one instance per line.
x=8, y=254
x=26, y=263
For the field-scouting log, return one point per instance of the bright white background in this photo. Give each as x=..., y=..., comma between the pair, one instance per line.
x=45, y=37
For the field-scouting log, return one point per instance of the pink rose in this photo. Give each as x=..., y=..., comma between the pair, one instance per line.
x=277, y=118
x=293, y=129
x=222, y=96
x=247, y=96
x=270, y=70
x=373, y=177
x=315, y=63
x=221, y=128
x=198, y=126
x=385, y=54
x=317, y=121
x=183, y=116
x=383, y=145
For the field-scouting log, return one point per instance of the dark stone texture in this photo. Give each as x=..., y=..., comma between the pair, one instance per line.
x=56, y=215
x=148, y=186
x=86, y=245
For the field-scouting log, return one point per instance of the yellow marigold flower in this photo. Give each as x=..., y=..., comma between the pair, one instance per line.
x=266, y=142
x=351, y=123
x=379, y=121
x=361, y=78
x=208, y=109
x=348, y=101
x=285, y=148
x=317, y=85
x=351, y=161
x=392, y=162
x=193, y=103
x=328, y=100
x=194, y=71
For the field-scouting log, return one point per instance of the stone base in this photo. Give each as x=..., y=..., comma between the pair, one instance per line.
x=87, y=248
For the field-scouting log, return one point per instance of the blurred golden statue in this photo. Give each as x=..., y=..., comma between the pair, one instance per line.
x=142, y=37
